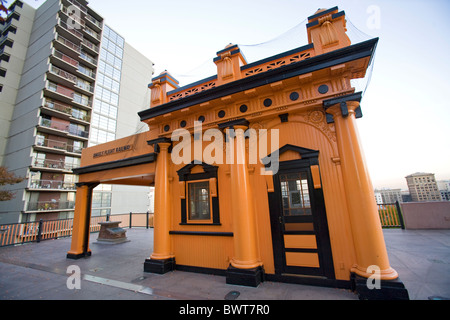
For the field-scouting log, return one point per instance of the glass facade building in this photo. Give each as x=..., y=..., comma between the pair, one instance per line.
x=107, y=88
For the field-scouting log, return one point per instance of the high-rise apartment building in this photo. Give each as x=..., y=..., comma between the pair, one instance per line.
x=67, y=81
x=423, y=187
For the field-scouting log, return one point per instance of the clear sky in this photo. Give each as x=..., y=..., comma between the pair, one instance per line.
x=405, y=128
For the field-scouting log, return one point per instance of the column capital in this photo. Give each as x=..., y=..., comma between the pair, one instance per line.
x=160, y=143
x=235, y=124
x=343, y=106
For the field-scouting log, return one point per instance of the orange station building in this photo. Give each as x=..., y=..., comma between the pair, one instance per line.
x=304, y=212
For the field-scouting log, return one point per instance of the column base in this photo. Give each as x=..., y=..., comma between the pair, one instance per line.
x=159, y=266
x=245, y=277
x=75, y=256
x=389, y=289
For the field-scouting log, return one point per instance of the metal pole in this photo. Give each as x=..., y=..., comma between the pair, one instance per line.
x=400, y=215
x=39, y=235
x=146, y=223
x=130, y=219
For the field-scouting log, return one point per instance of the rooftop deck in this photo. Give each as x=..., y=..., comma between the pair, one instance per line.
x=38, y=271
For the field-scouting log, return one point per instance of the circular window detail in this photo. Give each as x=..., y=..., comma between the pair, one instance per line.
x=243, y=108
x=201, y=119
x=294, y=96
x=323, y=89
x=166, y=128
x=267, y=103
x=183, y=124
x=221, y=114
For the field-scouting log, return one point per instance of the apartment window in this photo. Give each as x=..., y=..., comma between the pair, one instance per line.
x=101, y=199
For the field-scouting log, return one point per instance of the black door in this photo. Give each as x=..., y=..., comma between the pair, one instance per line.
x=299, y=226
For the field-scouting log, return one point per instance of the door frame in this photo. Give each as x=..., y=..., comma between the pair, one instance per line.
x=308, y=158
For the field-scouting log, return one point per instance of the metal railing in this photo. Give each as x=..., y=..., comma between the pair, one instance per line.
x=37, y=231
x=391, y=215
x=51, y=184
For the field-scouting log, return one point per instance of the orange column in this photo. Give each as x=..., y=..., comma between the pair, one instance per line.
x=81, y=223
x=366, y=227
x=246, y=254
x=162, y=259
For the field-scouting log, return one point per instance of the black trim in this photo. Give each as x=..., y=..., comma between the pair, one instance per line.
x=159, y=266
x=245, y=277
x=232, y=123
x=184, y=174
x=284, y=117
x=389, y=289
x=202, y=233
x=311, y=281
x=303, y=152
x=343, y=55
x=133, y=161
x=78, y=256
x=213, y=271
x=318, y=218
x=315, y=16
x=342, y=100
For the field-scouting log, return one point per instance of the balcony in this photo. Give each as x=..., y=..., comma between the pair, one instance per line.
x=59, y=92
x=62, y=128
x=62, y=60
x=51, y=185
x=92, y=62
x=86, y=73
x=53, y=165
x=72, y=18
x=82, y=100
x=59, y=109
x=94, y=36
x=70, y=32
x=66, y=46
x=90, y=47
x=61, y=76
x=93, y=22
x=60, y=147
x=86, y=86
x=50, y=206
x=78, y=5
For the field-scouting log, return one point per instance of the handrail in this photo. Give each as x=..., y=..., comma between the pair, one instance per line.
x=36, y=231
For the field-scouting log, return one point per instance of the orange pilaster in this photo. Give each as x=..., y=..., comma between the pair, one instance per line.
x=366, y=228
x=81, y=221
x=162, y=258
x=246, y=255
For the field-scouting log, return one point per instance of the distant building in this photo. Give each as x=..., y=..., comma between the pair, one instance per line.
x=423, y=187
x=388, y=196
x=444, y=189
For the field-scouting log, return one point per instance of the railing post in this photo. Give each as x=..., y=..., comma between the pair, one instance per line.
x=400, y=215
x=146, y=220
x=131, y=213
x=39, y=235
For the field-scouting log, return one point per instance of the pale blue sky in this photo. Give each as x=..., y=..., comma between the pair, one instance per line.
x=406, y=110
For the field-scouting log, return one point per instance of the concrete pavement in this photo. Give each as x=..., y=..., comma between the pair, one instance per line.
x=115, y=272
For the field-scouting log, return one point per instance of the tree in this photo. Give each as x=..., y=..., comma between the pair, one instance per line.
x=8, y=178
